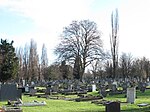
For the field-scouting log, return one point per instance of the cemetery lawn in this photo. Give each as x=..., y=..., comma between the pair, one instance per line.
x=72, y=106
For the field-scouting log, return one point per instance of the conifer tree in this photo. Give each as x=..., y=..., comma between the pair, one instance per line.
x=8, y=61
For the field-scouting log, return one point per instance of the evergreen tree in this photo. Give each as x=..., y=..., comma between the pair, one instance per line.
x=8, y=61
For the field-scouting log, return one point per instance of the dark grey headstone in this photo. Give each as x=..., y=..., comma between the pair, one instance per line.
x=142, y=86
x=103, y=92
x=114, y=88
x=33, y=92
x=113, y=107
x=9, y=92
x=48, y=91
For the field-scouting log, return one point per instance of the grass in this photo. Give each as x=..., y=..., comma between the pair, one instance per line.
x=60, y=106
x=71, y=106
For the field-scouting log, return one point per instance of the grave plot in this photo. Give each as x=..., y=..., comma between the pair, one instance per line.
x=34, y=103
x=88, y=98
x=100, y=102
x=20, y=103
x=12, y=109
x=143, y=104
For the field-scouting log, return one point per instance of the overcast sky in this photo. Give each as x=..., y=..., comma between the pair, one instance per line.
x=43, y=21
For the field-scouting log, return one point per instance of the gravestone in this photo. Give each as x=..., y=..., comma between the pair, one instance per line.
x=89, y=88
x=147, y=79
x=55, y=88
x=70, y=87
x=9, y=92
x=113, y=107
x=32, y=83
x=48, y=90
x=27, y=88
x=113, y=88
x=22, y=89
x=103, y=92
x=115, y=83
x=93, y=87
x=124, y=86
x=23, y=83
x=131, y=95
x=142, y=86
x=33, y=92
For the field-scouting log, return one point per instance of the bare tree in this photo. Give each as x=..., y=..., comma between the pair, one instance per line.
x=33, y=61
x=97, y=69
x=144, y=67
x=139, y=68
x=19, y=53
x=108, y=68
x=44, y=63
x=126, y=62
x=81, y=44
x=26, y=63
x=114, y=41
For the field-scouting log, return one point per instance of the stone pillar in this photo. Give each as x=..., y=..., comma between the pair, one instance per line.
x=131, y=94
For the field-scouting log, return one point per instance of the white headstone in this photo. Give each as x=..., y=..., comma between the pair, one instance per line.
x=131, y=94
x=32, y=83
x=71, y=86
x=93, y=87
x=23, y=83
x=148, y=79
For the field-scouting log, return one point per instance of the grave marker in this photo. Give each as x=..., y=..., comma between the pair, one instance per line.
x=93, y=87
x=113, y=107
x=9, y=92
x=131, y=94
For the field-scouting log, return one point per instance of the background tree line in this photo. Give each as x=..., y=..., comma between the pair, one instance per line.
x=32, y=67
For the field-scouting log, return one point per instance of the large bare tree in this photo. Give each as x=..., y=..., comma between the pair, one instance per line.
x=81, y=44
x=114, y=41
